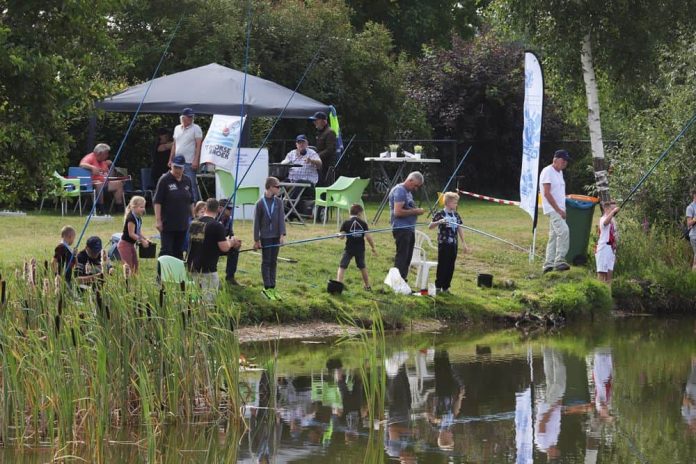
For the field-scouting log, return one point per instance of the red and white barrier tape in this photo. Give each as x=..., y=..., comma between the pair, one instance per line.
x=494, y=200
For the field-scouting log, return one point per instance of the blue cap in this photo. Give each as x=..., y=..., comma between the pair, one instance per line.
x=301, y=138
x=179, y=161
x=188, y=112
x=319, y=115
x=563, y=154
x=94, y=243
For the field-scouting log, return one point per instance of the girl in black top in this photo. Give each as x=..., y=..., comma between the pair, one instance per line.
x=132, y=227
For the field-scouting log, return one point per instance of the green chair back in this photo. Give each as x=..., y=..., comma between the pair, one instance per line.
x=245, y=195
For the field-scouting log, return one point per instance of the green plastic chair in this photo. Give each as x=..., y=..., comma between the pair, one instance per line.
x=323, y=195
x=345, y=192
x=173, y=270
x=67, y=188
x=244, y=196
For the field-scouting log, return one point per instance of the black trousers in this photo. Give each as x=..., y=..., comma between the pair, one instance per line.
x=446, y=257
x=269, y=261
x=232, y=260
x=173, y=243
x=405, y=240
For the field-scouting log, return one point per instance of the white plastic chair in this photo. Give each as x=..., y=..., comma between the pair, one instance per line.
x=420, y=259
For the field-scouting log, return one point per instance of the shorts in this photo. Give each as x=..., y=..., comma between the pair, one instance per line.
x=693, y=243
x=605, y=259
x=348, y=255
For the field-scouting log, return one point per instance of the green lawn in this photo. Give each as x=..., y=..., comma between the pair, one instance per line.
x=517, y=283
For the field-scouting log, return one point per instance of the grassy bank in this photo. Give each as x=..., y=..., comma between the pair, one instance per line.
x=518, y=285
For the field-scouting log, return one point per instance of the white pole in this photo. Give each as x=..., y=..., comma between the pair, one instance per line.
x=531, y=251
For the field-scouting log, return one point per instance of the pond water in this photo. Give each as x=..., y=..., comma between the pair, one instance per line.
x=619, y=391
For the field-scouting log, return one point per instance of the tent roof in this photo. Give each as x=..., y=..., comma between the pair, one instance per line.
x=212, y=89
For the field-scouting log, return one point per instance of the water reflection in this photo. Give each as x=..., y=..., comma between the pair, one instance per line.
x=622, y=392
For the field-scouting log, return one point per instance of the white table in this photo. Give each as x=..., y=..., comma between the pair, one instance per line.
x=286, y=194
x=398, y=176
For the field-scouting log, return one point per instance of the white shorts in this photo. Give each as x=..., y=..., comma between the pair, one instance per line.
x=605, y=259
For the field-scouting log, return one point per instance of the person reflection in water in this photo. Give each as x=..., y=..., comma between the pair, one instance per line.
x=602, y=368
x=265, y=423
x=399, y=438
x=550, y=404
x=688, y=409
x=353, y=403
x=443, y=407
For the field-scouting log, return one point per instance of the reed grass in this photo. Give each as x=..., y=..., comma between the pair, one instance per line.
x=77, y=366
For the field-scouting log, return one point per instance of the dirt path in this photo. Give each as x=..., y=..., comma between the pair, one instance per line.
x=312, y=330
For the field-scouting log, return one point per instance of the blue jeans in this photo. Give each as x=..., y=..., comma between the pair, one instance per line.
x=188, y=171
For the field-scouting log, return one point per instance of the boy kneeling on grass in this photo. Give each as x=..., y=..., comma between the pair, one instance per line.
x=447, y=221
x=353, y=230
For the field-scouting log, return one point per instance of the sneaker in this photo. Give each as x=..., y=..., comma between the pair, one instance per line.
x=562, y=267
x=275, y=294
x=547, y=269
x=233, y=282
x=268, y=293
x=367, y=288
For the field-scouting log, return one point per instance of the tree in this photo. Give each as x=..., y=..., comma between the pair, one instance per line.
x=414, y=23
x=51, y=59
x=474, y=92
x=621, y=37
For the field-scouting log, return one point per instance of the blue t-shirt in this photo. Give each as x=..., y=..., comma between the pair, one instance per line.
x=399, y=194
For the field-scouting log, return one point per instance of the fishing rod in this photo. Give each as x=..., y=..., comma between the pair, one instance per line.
x=343, y=153
x=241, y=118
x=432, y=208
x=275, y=123
x=123, y=142
x=338, y=235
x=662, y=156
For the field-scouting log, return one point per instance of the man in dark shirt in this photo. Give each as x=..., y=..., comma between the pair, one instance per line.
x=173, y=202
x=326, y=147
x=208, y=241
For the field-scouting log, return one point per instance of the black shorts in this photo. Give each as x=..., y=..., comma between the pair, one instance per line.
x=348, y=255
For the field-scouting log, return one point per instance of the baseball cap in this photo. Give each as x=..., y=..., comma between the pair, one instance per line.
x=301, y=138
x=563, y=154
x=318, y=115
x=94, y=243
x=179, y=161
x=188, y=112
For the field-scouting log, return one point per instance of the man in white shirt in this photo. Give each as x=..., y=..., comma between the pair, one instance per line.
x=308, y=159
x=188, y=138
x=553, y=203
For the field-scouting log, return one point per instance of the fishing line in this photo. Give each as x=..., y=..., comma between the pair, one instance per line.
x=339, y=235
x=662, y=156
x=123, y=142
x=493, y=237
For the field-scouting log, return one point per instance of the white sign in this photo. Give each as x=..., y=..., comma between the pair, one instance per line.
x=256, y=174
x=531, y=134
x=221, y=141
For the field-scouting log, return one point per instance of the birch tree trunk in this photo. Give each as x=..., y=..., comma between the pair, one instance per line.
x=593, y=120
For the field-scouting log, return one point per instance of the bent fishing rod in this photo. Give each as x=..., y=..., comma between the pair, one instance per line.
x=661, y=157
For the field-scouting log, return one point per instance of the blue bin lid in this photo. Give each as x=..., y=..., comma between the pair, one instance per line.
x=579, y=204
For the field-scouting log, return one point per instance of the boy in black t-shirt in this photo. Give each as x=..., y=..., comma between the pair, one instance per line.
x=353, y=230
x=90, y=268
x=63, y=254
x=207, y=242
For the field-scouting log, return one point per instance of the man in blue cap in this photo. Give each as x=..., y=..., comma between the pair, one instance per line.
x=553, y=202
x=326, y=146
x=188, y=138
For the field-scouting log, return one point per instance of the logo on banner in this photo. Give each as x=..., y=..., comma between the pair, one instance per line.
x=221, y=141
